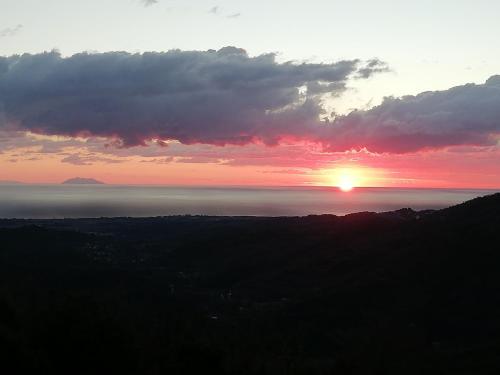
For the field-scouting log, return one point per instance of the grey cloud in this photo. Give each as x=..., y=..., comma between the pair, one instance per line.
x=373, y=66
x=10, y=31
x=463, y=115
x=213, y=97
x=77, y=159
x=216, y=10
x=167, y=160
x=148, y=3
x=15, y=140
x=227, y=97
x=198, y=160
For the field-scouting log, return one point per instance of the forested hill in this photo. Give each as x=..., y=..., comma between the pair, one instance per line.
x=403, y=292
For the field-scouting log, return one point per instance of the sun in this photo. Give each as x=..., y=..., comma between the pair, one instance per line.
x=347, y=178
x=346, y=183
x=350, y=177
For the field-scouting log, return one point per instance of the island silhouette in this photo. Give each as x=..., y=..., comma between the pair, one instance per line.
x=82, y=181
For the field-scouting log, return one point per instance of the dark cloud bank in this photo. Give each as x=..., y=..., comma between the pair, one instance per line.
x=463, y=115
x=226, y=97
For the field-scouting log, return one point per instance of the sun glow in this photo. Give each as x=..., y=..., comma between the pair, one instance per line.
x=347, y=178
x=346, y=183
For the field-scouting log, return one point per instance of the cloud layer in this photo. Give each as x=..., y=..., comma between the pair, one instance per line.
x=463, y=115
x=214, y=97
x=227, y=97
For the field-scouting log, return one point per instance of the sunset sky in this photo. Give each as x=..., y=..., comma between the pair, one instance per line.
x=382, y=93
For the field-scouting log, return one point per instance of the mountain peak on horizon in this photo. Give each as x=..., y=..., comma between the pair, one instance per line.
x=82, y=181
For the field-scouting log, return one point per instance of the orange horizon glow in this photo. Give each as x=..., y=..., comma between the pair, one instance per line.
x=134, y=172
x=299, y=164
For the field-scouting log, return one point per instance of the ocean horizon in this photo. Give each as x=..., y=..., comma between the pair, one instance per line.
x=56, y=201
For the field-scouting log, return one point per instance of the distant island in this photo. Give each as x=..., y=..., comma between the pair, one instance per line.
x=82, y=181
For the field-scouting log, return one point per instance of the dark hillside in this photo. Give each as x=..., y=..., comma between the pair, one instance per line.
x=393, y=293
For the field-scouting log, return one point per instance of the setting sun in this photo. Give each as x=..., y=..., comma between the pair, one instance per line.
x=348, y=176
x=346, y=183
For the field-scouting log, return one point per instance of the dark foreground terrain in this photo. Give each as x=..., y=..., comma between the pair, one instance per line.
x=394, y=293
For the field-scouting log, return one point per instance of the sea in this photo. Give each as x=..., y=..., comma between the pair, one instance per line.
x=89, y=201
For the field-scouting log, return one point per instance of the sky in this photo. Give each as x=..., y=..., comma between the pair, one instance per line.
x=383, y=93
